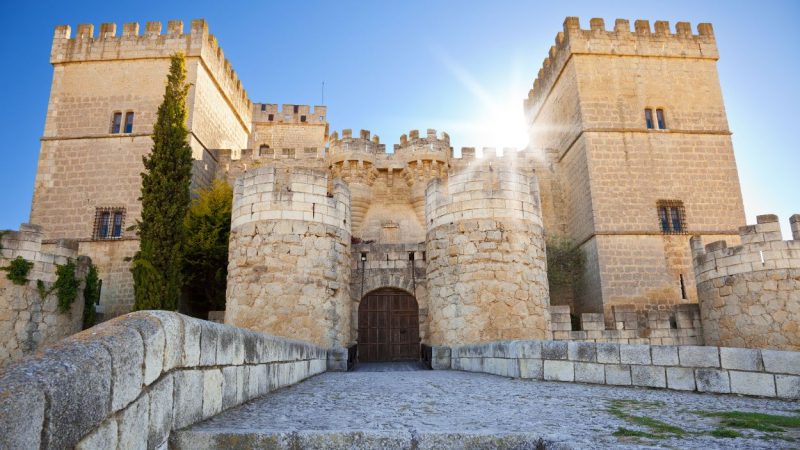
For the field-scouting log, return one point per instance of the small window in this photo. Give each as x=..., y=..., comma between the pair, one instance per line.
x=302, y=118
x=264, y=150
x=683, y=288
x=116, y=123
x=672, y=217
x=321, y=118
x=662, y=124
x=129, y=122
x=264, y=107
x=287, y=116
x=296, y=109
x=108, y=223
x=648, y=117
x=288, y=153
x=271, y=117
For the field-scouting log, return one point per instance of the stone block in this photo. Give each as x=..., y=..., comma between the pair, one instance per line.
x=337, y=360
x=559, y=370
x=132, y=424
x=230, y=384
x=634, y=354
x=590, y=373
x=776, y=361
x=440, y=358
x=187, y=406
x=680, y=378
x=752, y=383
x=191, y=341
x=648, y=376
x=741, y=359
x=22, y=410
x=618, y=374
x=608, y=353
x=788, y=386
x=696, y=356
x=212, y=392
x=226, y=344
x=665, y=355
x=209, y=340
x=554, y=350
x=526, y=349
x=711, y=380
x=173, y=338
x=531, y=369
x=102, y=437
x=149, y=327
x=582, y=351
x=161, y=411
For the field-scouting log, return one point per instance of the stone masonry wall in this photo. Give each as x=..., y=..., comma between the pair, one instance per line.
x=487, y=276
x=129, y=382
x=289, y=264
x=763, y=373
x=750, y=294
x=29, y=322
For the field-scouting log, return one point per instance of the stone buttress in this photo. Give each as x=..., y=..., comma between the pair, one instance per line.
x=289, y=265
x=487, y=277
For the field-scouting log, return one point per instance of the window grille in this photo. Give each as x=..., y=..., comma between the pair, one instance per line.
x=108, y=223
x=671, y=216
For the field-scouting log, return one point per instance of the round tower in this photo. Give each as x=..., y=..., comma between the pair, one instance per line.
x=424, y=158
x=487, y=275
x=353, y=160
x=289, y=257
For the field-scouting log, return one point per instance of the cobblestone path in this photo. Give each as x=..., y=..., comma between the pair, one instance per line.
x=403, y=404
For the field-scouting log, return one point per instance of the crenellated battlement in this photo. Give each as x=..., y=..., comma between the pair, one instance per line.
x=763, y=248
x=270, y=112
x=130, y=45
x=642, y=41
x=413, y=146
x=348, y=146
x=260, y=197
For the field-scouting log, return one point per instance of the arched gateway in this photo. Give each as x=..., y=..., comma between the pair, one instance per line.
x=388, y=326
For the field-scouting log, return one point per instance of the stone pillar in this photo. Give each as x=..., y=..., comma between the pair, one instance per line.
x=289, y=267
x=487, y=276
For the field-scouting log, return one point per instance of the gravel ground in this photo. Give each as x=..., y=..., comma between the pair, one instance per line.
x=462, y=402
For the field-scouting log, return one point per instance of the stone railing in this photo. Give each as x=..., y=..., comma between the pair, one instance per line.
x=767, y=373
x=129, y=382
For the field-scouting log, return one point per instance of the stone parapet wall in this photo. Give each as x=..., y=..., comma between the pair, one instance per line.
x=679, y=326
x=750, y=294
x=765, y=373
x=289, y=264
x=28, y=321
x=486, y=274
x=129, y=382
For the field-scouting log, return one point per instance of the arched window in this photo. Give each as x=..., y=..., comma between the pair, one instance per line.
x=264, y=150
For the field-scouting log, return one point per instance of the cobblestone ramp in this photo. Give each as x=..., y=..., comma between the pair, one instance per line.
x=452, y=409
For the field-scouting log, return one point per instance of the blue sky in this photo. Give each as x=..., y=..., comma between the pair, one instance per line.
x=456, y=66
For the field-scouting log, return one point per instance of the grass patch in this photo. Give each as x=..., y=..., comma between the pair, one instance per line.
x=725, y=433
x=658, y=429
x=627, y=432
x=754, y=421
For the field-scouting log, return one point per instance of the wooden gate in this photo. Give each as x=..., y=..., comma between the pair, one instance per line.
x=388, y=327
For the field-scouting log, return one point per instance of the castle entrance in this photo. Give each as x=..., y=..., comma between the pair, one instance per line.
x=388, y=326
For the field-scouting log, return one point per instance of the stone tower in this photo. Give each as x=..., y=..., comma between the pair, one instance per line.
x=487, y=276
x=289, y=263
x=634, y=154
x=353, y=160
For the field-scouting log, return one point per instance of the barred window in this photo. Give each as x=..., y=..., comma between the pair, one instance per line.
x=108, y=223
x=671, y=216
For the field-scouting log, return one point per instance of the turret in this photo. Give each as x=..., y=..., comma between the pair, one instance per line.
x=425, y=158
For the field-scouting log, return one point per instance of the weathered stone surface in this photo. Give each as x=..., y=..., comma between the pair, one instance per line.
x=741, y=359
x=440, y=358
x=582, y=351
x=337, y=360
x=648, y=376
x=531, y=369
x=133, y=424
x=527, y=349
x=22, y=409
x=554, y=350
x=749, y=383
x=680, y=378
x=230, y=384
x=126, y=349
x=590, y=373
x=559, y=370
x=153, y=338
x=192, y=333
x=187, y=404
x=173, y=338
x=475, y=440
x=781, y=361
x=665, y=355
x=608, y=353
x=634, y=354
x=788, y=386
x=212, y=392
x=618, y=374
x=695, y=356
x=711, y=380
x=209, y=340
x=103, y=437
x=161, y=411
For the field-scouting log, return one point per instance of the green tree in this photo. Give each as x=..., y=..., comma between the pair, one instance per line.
x=91, y=293
x=165, y=199
x=205, y=263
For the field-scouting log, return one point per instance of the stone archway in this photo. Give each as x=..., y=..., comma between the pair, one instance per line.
x=388, y=326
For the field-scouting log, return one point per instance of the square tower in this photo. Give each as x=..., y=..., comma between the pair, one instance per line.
x=634, y=155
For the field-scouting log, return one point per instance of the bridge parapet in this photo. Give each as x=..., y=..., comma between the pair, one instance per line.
x=129, y=382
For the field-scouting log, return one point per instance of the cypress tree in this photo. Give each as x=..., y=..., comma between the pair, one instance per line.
x=165, y=200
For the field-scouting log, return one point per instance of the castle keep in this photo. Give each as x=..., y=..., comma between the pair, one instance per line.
x=337, y=239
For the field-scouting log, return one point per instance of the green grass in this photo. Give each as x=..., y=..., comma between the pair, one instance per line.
x=725, y=433
x=626, y=432
x=658, y=429
x=754, y=421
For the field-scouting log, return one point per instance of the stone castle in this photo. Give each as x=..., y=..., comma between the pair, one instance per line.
x=337, y=241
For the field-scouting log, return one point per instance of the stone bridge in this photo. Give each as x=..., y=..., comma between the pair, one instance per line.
x=160, y=380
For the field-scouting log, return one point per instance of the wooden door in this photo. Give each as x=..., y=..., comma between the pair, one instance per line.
x=388, y=327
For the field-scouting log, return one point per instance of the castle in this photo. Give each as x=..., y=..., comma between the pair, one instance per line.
x=336, y=240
